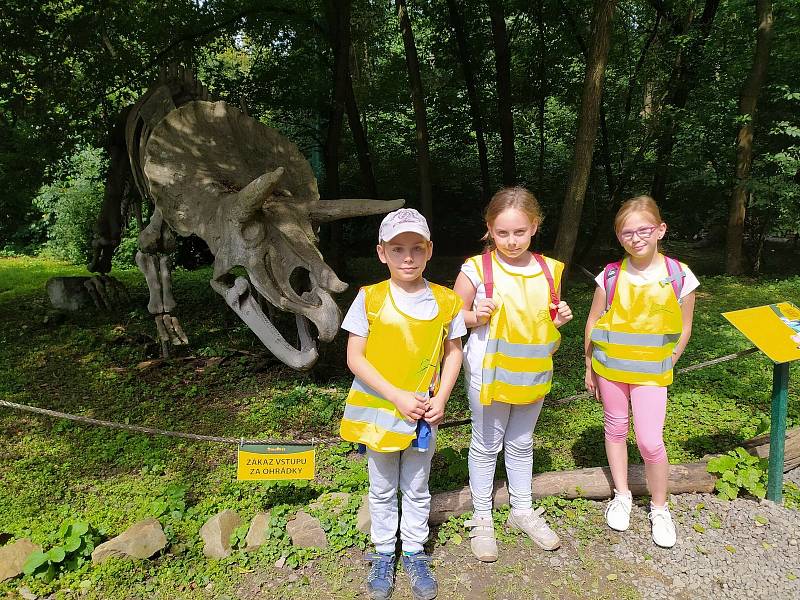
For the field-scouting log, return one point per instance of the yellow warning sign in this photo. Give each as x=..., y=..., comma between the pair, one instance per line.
x=268, y=463
x=774, y=329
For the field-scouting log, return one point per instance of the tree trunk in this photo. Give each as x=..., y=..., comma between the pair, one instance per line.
x=360, y=140
x=569, y=223
x=734, y=263
x=420, y=118
x=502, y=61
x=682, y=80
x=338, y=17
x=457, y=23
x=542, y=77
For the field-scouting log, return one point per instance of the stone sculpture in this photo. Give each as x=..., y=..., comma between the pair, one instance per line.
x=211, y=170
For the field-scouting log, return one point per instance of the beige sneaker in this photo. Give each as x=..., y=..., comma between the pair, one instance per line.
x=536, y=528
x=482, y=540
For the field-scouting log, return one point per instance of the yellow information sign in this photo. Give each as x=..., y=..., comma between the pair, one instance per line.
x=268, y=463
x=774, y=329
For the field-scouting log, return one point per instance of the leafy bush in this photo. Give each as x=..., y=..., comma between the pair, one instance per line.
x=74, y=543
x=739, y=470
x=71, y=203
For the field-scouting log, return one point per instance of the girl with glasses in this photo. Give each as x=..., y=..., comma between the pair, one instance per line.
x=638, y=327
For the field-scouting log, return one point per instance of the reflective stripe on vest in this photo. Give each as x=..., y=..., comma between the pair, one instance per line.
x=633, y=341
x=518, y=364
x=407, y=352
x=521, y=350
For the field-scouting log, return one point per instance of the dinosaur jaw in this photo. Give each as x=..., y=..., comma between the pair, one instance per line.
x=243, y=299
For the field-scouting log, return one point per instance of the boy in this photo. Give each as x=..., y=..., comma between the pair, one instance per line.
x=401, y=331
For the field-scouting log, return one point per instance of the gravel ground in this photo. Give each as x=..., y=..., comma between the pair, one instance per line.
x=743, y=549
x=738, y=549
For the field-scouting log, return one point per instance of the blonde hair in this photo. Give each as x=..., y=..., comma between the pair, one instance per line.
x=511, y=197
x=644, y=204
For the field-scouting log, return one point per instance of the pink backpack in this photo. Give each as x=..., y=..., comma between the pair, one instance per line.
x=675, y=276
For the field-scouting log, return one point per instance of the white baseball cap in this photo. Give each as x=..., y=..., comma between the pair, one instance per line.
x=403, y=220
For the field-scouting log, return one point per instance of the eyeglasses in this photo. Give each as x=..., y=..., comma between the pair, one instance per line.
x=644, y=233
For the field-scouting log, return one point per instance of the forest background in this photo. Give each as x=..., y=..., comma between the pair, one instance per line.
x=436, y=101
x=439, y=102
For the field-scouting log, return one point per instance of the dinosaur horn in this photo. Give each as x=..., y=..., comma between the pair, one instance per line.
x=250, y=199
x=323, y=211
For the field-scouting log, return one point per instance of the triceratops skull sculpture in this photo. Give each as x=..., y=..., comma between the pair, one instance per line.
x=247, y=191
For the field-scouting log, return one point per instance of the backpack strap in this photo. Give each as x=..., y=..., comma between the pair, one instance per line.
x=488, y=277
x=675, y=275
x=610, y=277
x=550, y=283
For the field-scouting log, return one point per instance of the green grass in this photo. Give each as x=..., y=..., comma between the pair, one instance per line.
x=55, y=470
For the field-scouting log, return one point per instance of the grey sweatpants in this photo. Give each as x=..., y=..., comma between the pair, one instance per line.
x=406, y=471
x=494, y=426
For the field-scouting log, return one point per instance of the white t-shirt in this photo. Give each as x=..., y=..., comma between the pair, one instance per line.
x=655, y=272
x=420, y=305
x=475, y=350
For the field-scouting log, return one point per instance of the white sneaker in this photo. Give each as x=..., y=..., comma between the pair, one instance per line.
x=618, y=511
x=536, y=528
x=482, y=540
x=662, y=526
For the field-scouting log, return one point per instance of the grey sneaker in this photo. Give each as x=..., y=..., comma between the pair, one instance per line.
x=534, y=525
x=482, y=540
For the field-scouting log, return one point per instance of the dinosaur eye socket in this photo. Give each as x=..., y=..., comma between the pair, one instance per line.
x=253, y=232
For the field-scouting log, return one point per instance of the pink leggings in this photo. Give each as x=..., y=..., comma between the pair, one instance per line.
x=649, y=404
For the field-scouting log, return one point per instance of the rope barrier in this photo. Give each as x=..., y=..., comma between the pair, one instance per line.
x=312, y=441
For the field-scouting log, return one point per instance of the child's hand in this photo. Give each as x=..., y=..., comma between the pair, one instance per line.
x=411, y=406
x=435, y=412
x=563, y=315
x=590, y=381
x=483, y=310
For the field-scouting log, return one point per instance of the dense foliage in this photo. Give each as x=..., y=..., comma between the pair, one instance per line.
x=669, y=112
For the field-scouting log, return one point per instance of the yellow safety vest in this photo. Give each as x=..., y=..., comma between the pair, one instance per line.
x=518, y=365
x=407, y=352
x=633, y=341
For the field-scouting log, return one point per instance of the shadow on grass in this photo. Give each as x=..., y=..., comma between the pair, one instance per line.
x=716, y=443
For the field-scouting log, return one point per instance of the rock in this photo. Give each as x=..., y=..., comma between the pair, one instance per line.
x=53, y=318
x=216, y=533
x=363, y=519
x=68, y=293
x=332, y=501
x=257, y=534
x=13, y=557
x=306, y=532
x=141, y=540
x=26, y=594
x=280, y=562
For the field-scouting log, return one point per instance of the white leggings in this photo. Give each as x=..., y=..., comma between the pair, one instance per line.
x=493, y=426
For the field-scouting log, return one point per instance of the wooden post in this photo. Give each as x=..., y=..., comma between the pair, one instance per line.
x=777, y=431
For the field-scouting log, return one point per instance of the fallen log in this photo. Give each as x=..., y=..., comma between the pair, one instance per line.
x=596, y=483
x=759, y=446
